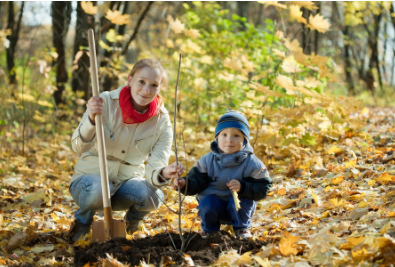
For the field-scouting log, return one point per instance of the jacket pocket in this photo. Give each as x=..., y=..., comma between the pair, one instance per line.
x=144, y=145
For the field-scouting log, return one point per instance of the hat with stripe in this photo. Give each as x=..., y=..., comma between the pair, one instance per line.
x=233, y=119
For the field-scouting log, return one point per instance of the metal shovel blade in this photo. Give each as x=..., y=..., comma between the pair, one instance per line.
x=98, y=231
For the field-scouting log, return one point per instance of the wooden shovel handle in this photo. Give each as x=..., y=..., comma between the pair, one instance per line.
x=100, y=140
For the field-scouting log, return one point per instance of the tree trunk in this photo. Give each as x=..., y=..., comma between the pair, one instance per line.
x=306, y=33
x=347, y=62
x=80, y=81
x=61, y=13
x=13, y=40
x=317, y=34
x=242, y=7
x=107, y=78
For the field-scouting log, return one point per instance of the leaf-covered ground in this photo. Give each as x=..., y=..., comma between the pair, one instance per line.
x=332, y=203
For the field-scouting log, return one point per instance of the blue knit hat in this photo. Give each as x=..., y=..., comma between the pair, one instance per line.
x=233, y=119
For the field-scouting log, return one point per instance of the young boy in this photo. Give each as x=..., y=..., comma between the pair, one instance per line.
x=231, y=165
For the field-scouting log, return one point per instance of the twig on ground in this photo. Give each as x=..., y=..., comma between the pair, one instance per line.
x=190, y=240
x=167, y=230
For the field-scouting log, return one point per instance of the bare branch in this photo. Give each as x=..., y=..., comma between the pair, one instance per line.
x=136, y=29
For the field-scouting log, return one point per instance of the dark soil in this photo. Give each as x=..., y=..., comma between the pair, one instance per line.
x=202, y=251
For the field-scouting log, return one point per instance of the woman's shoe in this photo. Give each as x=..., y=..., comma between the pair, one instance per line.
x=132, y=226
x=244, y=233
x=78, y=230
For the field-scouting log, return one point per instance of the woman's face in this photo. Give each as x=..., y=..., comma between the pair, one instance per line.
x=144, y=87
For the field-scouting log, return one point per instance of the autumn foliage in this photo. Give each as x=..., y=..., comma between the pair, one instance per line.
x=330, y=158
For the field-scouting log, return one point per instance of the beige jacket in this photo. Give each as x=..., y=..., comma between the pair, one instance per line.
x=153, y=138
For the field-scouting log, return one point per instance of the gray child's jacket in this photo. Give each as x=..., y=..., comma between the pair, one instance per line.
x=212, y=171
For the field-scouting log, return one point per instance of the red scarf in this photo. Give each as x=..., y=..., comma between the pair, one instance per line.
x=130, y=114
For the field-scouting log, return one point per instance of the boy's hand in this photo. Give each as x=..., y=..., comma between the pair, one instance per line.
x=176, y=182
x=234, y=185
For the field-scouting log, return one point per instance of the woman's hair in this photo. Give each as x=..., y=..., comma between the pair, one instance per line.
x=153, y=64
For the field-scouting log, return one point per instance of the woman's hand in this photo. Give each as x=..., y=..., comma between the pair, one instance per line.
x=170, y=172
x=95, y=106
x=234, y=185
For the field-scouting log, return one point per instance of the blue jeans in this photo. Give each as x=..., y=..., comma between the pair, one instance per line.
x=133, y=195
x=214, y=211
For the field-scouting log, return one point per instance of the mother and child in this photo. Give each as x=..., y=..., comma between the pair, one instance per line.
x=137, y=129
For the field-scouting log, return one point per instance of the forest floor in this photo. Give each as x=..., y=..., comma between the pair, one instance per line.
x=333, y=205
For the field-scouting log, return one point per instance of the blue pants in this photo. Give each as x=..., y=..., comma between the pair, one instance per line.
x=214, y=211
x=134, y=195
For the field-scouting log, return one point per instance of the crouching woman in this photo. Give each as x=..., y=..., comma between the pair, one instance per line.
x=137, y=128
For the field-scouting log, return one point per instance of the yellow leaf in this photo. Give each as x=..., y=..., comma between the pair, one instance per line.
x=266, y=90
x=318, y=60
x=263, y=262
x=336, y=202
x=55, y=217
x=272, y=3
x=306, y=4
x=324, y=215
x=88, y=7
x=363, y=204
x=117, y=18
x=290, y=66
x=286, y=244
x=334, y=150
x=337, y=180
x=175, y=25
x=351, y=163
x=371, y=182
x=245, y=258
x=207, y=59
x=385, y=228
x=316, y=198
x=309, y=82
x=228, y=257
x=236, y=200
x=278, y=52
x=318, y=23
x=192, y=33
x=385, y=178
x=233, y=63
x=357, y=197
x=284, y=82
x=295, y=12
x=294, y=46
x=302, y=59
x=352, y=242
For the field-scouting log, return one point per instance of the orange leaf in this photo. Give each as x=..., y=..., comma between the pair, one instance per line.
x=281, y=191
x=286, y=244
x=124, y=248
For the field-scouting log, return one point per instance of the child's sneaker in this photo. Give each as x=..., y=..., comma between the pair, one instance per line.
x=244, y=233
x=204, y=235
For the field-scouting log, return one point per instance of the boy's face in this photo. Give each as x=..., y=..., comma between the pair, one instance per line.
x=230, y=140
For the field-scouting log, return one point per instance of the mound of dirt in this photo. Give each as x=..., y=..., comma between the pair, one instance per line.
x=202, y=251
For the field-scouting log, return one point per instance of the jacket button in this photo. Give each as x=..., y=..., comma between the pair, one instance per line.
x=123, y=151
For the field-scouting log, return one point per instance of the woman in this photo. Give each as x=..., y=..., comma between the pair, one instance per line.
x=137, y=128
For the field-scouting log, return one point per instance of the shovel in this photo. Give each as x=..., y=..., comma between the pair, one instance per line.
x=110, y=228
